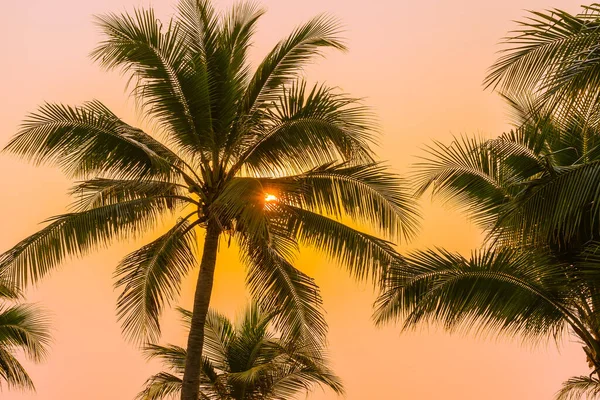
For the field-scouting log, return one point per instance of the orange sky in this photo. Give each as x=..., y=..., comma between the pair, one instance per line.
x=419, y=64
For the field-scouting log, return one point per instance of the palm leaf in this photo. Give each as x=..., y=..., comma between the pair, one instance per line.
x=89, y=139
x=150, y=279
x=75, y=234
x=506, y=291
x=23, y=326
x=579, y=387
x=170, y=89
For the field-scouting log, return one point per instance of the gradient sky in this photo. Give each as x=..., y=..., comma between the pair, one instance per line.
x=419, y=64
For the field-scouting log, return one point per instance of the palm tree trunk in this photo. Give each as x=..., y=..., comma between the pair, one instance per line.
x=193, y=362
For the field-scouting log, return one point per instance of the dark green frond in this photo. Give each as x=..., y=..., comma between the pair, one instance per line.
x=171, y=89
x=150, y=279
x=465, y=171
x=364, y=255
x=90, y=140
x=277, y=285
x=161, y=386
x=560, y=208
x=366, y=192
x=25, y=327
x=13, y=373
x=578, y=388
x=171, y=356
x=218, y=334
x=304, y=129
x=100, y=192
x=505, y=291
x=540, y=51
x=75, y=234
x=286, y=60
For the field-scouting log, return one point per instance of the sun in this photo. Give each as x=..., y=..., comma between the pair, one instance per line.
x=269, y=198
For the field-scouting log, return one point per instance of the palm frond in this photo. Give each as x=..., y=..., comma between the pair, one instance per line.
x=161, y=386
x=505, y=291
x=544, y=46
x=75, y=234
x=13, y=373
x=288, y=383
x=285, y=61
x=25, y=327
x=465, y=171
x=307, y=128
x=367, y=193
x=150, y=279
x=277, y=285
x=171, y=356
x=363, y=254
x=100, y=192
x=89, y=140
x=579, y=387
x=559, y=208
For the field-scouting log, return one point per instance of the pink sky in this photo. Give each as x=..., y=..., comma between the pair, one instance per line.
x=419, y=64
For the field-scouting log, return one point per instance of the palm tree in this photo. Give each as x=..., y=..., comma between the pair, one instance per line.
x=534, y=192
x=243, y=361
x=22, y=328
x=260, y=158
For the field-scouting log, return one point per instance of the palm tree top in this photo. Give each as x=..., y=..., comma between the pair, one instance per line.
x=243, y=360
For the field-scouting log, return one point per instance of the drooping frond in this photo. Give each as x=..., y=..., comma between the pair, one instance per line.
x=88, y=140
x=363, y=254
x=579, y=388
x=171, y=356
x=25, y=327
x=150, y=279
x=289, y=382
x=13, y=373
x=277, y=285
x=75, y=234
x=161, y=386
x=506, y=291
x=9, y=291
x=365, y=192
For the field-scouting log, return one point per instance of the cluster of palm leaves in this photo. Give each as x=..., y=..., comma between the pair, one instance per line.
x=243, y=361
x=535, y=191
x=226, y=138
x=24, y=329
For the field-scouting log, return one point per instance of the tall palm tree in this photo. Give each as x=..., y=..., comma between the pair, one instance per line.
x=257, y=157
x=243, y=361
x=22, y=328
x=534, y=192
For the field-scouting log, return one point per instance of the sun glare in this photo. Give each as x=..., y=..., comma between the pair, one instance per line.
x=269, y=198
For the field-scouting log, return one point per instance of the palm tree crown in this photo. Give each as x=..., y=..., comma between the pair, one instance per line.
x=243, y=361
x=231, y=136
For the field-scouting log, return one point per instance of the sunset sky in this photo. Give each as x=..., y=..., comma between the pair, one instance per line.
x=418, y=64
